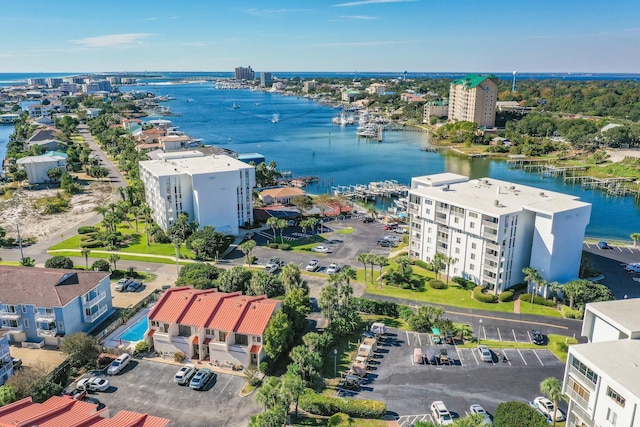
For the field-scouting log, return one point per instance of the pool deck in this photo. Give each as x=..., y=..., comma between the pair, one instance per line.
x=114, y=341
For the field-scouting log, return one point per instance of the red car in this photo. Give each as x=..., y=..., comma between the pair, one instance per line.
x=390, y=226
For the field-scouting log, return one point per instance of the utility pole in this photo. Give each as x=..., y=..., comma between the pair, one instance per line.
x=20, y=243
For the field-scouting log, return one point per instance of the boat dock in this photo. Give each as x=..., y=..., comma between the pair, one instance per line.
x=376, y=189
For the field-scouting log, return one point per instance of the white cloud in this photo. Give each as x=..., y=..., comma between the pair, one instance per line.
x=273, y=12
x=362, y=44
x=359, y=17
x=153, y=18
x=111, y=40
x=363, y=2
x=198, y=44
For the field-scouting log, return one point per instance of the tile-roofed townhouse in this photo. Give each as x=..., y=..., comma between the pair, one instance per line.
x=60, y=411
x=41, y=305
x=211, y=325
x=282, y=195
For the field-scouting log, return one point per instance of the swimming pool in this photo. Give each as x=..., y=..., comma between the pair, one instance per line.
x=136, y=332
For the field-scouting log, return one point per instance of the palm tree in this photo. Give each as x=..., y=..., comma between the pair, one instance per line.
x=462, y=330
x=448, y=261
x=273, y=224
x=552, y=388
x=555, y=288
x=635, y=237
x=363, y=259
x=113, y=259
x=380, y=261
x=371, y=210
x=246, y=249
x=532, y=275
x=85, y=253
x=281, y=224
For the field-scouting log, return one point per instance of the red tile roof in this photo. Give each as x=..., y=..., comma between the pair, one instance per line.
x=256, y=317
x=230, y=313
x=133, y=419
x=254, y=349
x=203, y=307
x=174, y=303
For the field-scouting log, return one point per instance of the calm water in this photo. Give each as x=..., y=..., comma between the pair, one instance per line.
x=306, y=142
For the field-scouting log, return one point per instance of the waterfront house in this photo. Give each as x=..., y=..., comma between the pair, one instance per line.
x=38, y=110
x=207, y=324
x=38, y=166
x=280, y=196
x=6, y=363
x=38, y=306
x=65, y=411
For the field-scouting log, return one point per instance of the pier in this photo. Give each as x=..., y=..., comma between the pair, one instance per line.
x=375, y=189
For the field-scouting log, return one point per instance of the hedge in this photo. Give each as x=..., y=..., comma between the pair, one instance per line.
x=571, y=313
x=320, y=404
x=438, y=284
x=518, y=414
x=86, y=230
x=404, y=312
x=372, y=306
x=479, y=295
x=505, y=296
x=519, y=287
x=464, y=283
x=422, y=264
x=537, y=299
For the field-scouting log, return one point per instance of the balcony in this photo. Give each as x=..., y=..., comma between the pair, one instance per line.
x=581, y=379
x=97, y=299
x=13, y=329
x=45, y=317
x=490, y=224
x=489, y=279
x=577, y=416
x=441, y=219
x=46, y=332
x=414, y=208
x=95, y=316
x=489, y=257
x=492, y=246
x=10, y=315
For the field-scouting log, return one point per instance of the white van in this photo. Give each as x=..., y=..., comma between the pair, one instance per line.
x=119, y=364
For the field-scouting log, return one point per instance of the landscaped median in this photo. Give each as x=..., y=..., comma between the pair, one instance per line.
x=124, y=256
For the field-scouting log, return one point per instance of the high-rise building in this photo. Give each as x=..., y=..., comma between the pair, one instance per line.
x=242, y=73
x=601, y=376
x=492, y=229
x=473, y=99
x=265, y=79
x=212, y=190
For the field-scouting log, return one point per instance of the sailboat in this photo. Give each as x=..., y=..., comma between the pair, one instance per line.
x=235, y=106
x=275, y=118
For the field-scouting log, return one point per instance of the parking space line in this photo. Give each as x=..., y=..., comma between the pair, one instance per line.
x=475, y=357
x=525, y=362
x=408, y=339
x=619, y=248
x=484, y=331
x=539, y=360
x=419, y=340
x=514, y=335
x=225, y=386
x=530, y=340
x=411, y=357
x=499, y=336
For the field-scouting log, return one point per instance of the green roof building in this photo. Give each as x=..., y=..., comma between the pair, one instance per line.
x=473, y=99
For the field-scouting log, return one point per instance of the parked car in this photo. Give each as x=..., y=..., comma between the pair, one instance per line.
x=391, y=238
x=134, y=286
x=273, y=265
x=312, y=265
x=385, y=243
x=390, y=226
x=401, y=230
x=547, y=408
x=478, y=409
x=75, y=394
x=202, y=378
x=367, y=219
x=604, y=245
x=441, y=414
x=632, y=268
x=321, y=249
x=333, y=268
x=485, y=353
x=184, y=374
x=119, y=364
x=93, y=384
x=537, y=337
x=121, y=285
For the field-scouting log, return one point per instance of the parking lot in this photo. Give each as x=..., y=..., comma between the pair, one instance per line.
x=611, y=263
x=408, y=388
x=150, y=389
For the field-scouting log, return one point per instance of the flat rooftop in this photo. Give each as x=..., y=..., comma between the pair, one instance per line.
x=496, y=197
x=624, y=312
x=625, y=354
x=193, y=165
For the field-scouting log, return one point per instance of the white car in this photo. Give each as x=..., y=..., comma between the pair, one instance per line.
x=93, y=384
x=441, y=414
x=274, y=265
x=321, y=249
x=632, y=268
x=485, y=353
x=183, y=376
x=333, y=268
x=391, y=238
x=312, y=266
x=546, y=407
x=478, y=409
x=119, y=364
x=121, y=285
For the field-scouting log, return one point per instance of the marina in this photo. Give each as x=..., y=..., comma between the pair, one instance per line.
x=372, y=191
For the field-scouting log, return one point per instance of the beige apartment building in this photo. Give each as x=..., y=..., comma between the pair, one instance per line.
x=473, y=99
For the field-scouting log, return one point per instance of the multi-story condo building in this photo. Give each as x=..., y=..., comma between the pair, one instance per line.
x=438, y=108
x=309, y=86
x=41, y=305
x=37, y=81
x=473, y=98
x=212, y=190
x=492, y=229
x=242, y=73
x=6, y=363
x=265, y=79
x=601, y=377
x=207, y=324
x=377, y=89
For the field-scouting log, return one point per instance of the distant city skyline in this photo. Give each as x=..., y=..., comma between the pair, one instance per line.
x=339, y=35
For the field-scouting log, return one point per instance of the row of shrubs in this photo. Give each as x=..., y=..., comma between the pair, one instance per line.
x=479, y=295
x=320, y=404
x=464, y=283
x=570, y=313
x=537, y=299
x=281, y=246
x=438, y=284
x=382, y=308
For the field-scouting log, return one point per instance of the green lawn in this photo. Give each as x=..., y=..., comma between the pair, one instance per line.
x=389, y=321
x=123, y=256
x=346, y=230
x=318, y=421
x=346, y=352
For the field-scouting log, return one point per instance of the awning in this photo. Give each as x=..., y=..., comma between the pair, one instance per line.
x=151, y=332
x=195, y=340
x=255, y=349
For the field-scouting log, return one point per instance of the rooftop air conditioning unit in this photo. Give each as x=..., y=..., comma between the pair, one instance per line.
x=496, y=202
x=542, y=194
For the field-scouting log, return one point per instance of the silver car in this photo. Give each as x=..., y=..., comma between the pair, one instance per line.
x=485, y=353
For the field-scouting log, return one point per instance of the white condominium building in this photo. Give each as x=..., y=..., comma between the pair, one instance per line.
x=602, y=377
x=213, y=190
x=473, y=98
x=492, y=229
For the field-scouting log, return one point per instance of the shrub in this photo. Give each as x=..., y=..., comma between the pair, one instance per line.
x=59, y=262
x=464, y=283
x=438, y=284
x=284, y=246
x=479, y=295
x=371, y=306
x=404, y=312
x=517, y=414
x=179, y=356
x=571, y=313
x=519, y=287
x=86, y=229
x=505, y=296
x=422, y=264
x=338, y=420
x=274, y=245
x=100, y=265
x=537, y=299
x=91, y=244
x=561, y=346
x=320, y=404
x=159, y=236
x=142, y=348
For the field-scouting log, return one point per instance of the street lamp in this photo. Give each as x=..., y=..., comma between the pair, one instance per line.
x=479, y=330
x=335, y=362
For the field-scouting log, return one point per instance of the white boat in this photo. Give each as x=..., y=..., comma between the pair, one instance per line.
x=234, y=106
x=257, y=104
x=275, y=118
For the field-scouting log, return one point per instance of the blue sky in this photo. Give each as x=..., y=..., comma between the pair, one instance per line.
x=321, y=35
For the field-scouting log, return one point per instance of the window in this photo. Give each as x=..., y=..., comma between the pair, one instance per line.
x=457, y=251
x=25, y=322
x=222, y=336
x=61, y=326
x=473, y=246
x=24, y=308
x=582, y=368
x=428, y=202
x=615, y=396
x=473, y=256
x=472, y=267
x=242, y=339
x=473, y=215
x=612, y=417
x=472, y=225
x=209, y=332
x=184, y=331
x=257, y=339
x=154, y=323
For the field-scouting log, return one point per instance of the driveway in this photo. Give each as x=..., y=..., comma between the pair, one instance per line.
x=147, y=387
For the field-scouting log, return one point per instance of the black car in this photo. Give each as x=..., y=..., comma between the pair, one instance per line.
x=537, y=337
x=367, y=219
x=385, y=243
